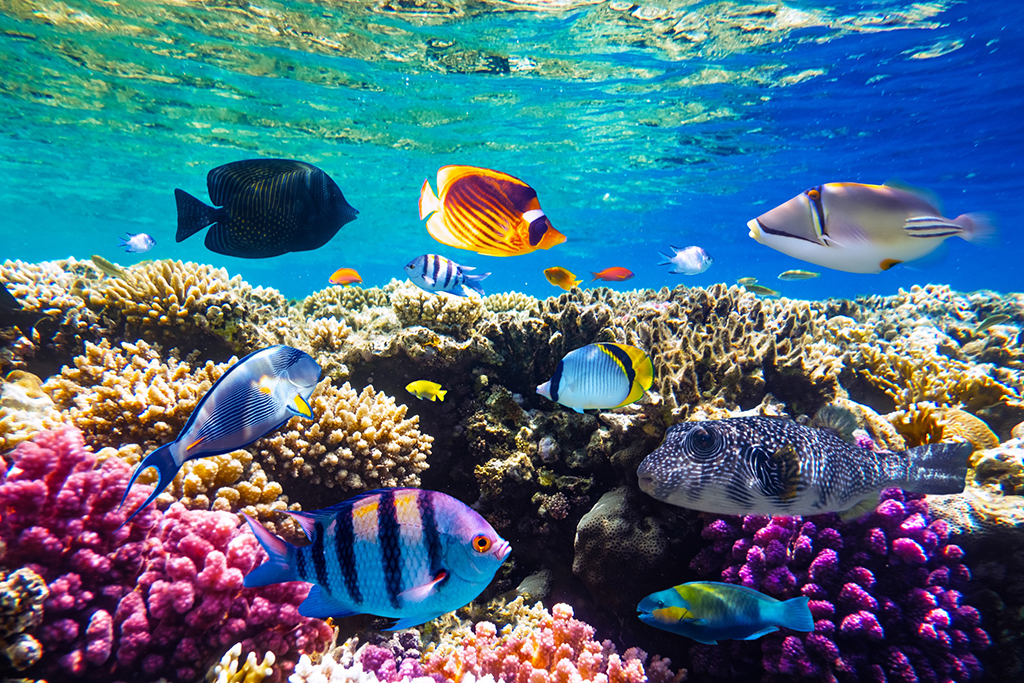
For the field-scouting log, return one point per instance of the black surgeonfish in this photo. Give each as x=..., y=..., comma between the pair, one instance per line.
x=13, y=315
x=266, y=207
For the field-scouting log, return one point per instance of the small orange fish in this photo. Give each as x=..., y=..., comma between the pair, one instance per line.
x=560, y=277
x=486, y=211
x=613, y=274
x=345, y=277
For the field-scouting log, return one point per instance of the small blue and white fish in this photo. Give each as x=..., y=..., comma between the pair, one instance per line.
x=435, y=273
x=862, y=228
x=252, y=398
x=406, y=554
x=137, y=243
x=603, y=375
x=708, y=611
x=688, y=261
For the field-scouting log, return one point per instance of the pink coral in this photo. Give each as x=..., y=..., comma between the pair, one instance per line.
x=161, y=596
x=559, y=649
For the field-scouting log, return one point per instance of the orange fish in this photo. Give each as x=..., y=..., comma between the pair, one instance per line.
x=344, y=277
x=485, y=211
x=560, y=277
x=613, y=274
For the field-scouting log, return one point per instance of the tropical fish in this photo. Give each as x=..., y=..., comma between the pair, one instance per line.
x=252, y=398
x=773, y=466
x=688, y=261
x=407, y=554
x=137, y=243
x=992, y=321
x=12, y=314
x=560, y=277
x=485, y=211
x=111, y=269
x=603, y=375
x=798, y=275
x=267, y=207
x=761, y=290
x=747, y=281
x=862, y=228
x=613, y=274
x=437, y=274
x=424, y=389
x=344, y=277
x=708, y=611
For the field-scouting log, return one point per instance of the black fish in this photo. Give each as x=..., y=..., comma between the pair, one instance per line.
x=267, y=207
x=13, y=315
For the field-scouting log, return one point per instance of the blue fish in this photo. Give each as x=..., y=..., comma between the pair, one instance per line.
x=435, y=273
x=254, y=397
x=406, y=554
x=707, y=612
x=137, y=243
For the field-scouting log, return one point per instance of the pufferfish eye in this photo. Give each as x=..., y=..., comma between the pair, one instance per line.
x=481, y=543
x=703, y=442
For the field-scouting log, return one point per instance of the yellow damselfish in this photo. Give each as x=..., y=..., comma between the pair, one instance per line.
x=424, y=389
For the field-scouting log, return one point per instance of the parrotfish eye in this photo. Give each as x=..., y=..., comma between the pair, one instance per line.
x=703, y=443
x=481, y=543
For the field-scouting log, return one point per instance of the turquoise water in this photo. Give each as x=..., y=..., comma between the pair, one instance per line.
x=639, y=125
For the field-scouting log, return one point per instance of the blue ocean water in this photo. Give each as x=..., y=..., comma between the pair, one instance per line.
x=639, y=125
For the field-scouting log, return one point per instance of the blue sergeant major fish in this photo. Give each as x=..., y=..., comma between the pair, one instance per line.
x=252, y=398
x=774, y=466
x=266, y=207
x=435, y=273
x=406, y=554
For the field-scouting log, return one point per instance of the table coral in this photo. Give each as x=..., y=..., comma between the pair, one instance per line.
x=161, y=596
x=886, y=594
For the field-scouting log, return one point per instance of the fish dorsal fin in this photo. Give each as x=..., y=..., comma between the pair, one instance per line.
x=838, y=419
x=923, y=194
x=228, y=180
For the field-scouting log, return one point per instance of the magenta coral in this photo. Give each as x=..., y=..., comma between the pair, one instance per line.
x=560, y=649
x=884, y=592
x=160, y=597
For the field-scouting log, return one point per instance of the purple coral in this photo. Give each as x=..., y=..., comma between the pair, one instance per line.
x=885, y=593
x=159, y=598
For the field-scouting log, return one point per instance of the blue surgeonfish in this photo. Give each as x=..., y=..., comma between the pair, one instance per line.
x=603, y=375
x=406, y=554
x=252, y=398
x=708, y=612
x=862, y=228
x=435, y=273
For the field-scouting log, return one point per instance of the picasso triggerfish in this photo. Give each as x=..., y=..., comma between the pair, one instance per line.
x=267, y=207
x=862, y=228
x=486, y=211
x=252, y=398
x=406, y=554
x=603, y=375
x=707, y=612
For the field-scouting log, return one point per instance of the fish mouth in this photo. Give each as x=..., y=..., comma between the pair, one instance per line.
x=647, y=484
x=502, y=549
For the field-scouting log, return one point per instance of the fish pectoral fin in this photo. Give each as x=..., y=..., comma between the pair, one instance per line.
x=862, y=508
x=787, y=465
x=409, y=622
x=763, y=632
x=421, y=593
x=320, y=604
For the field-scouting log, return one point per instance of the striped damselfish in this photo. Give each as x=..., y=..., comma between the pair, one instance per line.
x=485, y=211
x=252, y=398
x=602, y=375
x=707, y=612
x=435, y=273
x=406, y=554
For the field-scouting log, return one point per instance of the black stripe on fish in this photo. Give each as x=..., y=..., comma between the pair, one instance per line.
x=435, y=264
x=431, y=538
x=389, y=540
x=344, y=546
x=819, y=209
x=556, y=379
x=782, y=233
x=623, y=358
x=447, y=273
x=319, y=557
x=300, y=564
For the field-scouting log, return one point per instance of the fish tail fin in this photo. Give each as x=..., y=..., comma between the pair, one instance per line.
x=193, y=215
x=937, y=469
x=979, y=228
x=163, y=460
x=473, y=282
x=664, y=256
x=125, y=240
x=278, y=567
x=429, y=203
x=597, y=275
x=440, y=394
x=794, y=614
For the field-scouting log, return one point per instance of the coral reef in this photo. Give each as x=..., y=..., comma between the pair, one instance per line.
x=391, y=661
x=161, y=596
x=24, y=409
x=22, y=594
x=886, y=594
x=228, y=670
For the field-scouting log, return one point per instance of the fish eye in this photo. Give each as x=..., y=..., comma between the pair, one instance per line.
x=813, y=193
x=481, y=543
x=703, y=443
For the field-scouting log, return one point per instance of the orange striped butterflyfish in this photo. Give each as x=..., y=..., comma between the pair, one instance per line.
x=485, y=211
